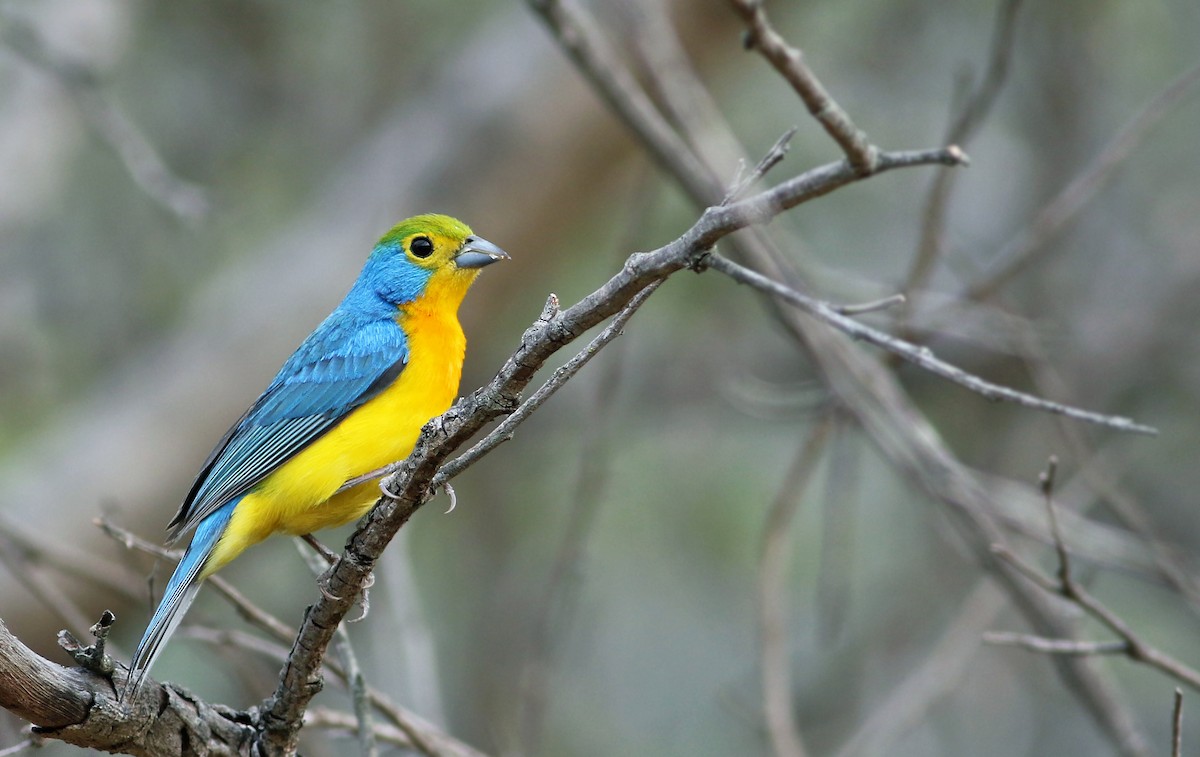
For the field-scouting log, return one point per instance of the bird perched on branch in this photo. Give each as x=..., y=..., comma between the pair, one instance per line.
x=351, y=399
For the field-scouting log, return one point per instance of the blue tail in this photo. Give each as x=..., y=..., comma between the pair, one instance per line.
x=181, y=590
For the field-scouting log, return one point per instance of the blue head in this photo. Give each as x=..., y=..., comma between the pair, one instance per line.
x=427, y=261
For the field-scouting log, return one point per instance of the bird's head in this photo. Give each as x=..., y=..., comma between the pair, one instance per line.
x=429, y=258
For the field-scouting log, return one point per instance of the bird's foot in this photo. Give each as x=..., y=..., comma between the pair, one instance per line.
x=364, y=597
x=325, y=552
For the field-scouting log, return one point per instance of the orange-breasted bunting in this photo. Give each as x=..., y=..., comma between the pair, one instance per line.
x=351, y=399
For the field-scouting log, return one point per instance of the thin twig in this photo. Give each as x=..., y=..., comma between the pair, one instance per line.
x=870, y=307
x=1134, y=647
x=1054, y=646
x=504, y=430
x=1101, y=475
x=922, y=357
x=773, y=157
x=789, y=62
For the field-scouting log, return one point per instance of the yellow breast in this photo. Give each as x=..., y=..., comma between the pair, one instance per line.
x=296, y=498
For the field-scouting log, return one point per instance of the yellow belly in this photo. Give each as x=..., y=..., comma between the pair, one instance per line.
x=298, y=497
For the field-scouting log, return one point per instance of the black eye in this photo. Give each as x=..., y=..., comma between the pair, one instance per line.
x=421, y=247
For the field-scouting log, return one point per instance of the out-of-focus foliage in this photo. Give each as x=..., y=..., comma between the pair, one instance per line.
x=129, y=339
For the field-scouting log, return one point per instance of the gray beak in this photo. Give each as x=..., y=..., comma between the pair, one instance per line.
x=477, y=252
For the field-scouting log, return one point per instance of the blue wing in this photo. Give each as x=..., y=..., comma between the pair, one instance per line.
x=339, y=367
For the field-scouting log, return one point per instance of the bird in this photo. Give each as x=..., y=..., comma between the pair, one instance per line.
x=351, y=399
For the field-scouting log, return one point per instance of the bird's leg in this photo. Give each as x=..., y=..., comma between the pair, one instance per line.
x=329, y=555
x=323, y=580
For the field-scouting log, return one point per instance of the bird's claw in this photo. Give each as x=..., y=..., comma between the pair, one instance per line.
x=364, y=598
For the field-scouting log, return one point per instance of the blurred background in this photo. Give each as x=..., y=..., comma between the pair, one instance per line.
x=186, y=189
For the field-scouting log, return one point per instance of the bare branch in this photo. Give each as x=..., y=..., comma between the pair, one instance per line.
x=79, y=707
x=773, y=157
x=355, y=680
x=922, y=357
x=789, y=62
x=866, y=388
x=1131, y=643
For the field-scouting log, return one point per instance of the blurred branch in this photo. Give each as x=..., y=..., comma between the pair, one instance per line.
x=15, y=749
x=577, y=33
x=774, y=660
x=555, y=607
x=329, y=719
x=25, y=567
x=909, y=703
x=1024, y=248
x=921, y=357
x=961, y=131
x=839, y=516
x=187, y=201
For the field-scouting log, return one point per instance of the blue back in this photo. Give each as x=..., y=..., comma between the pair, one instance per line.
x=354, y=354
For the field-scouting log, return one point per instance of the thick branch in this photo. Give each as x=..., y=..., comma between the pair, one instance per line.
x=79, y=707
